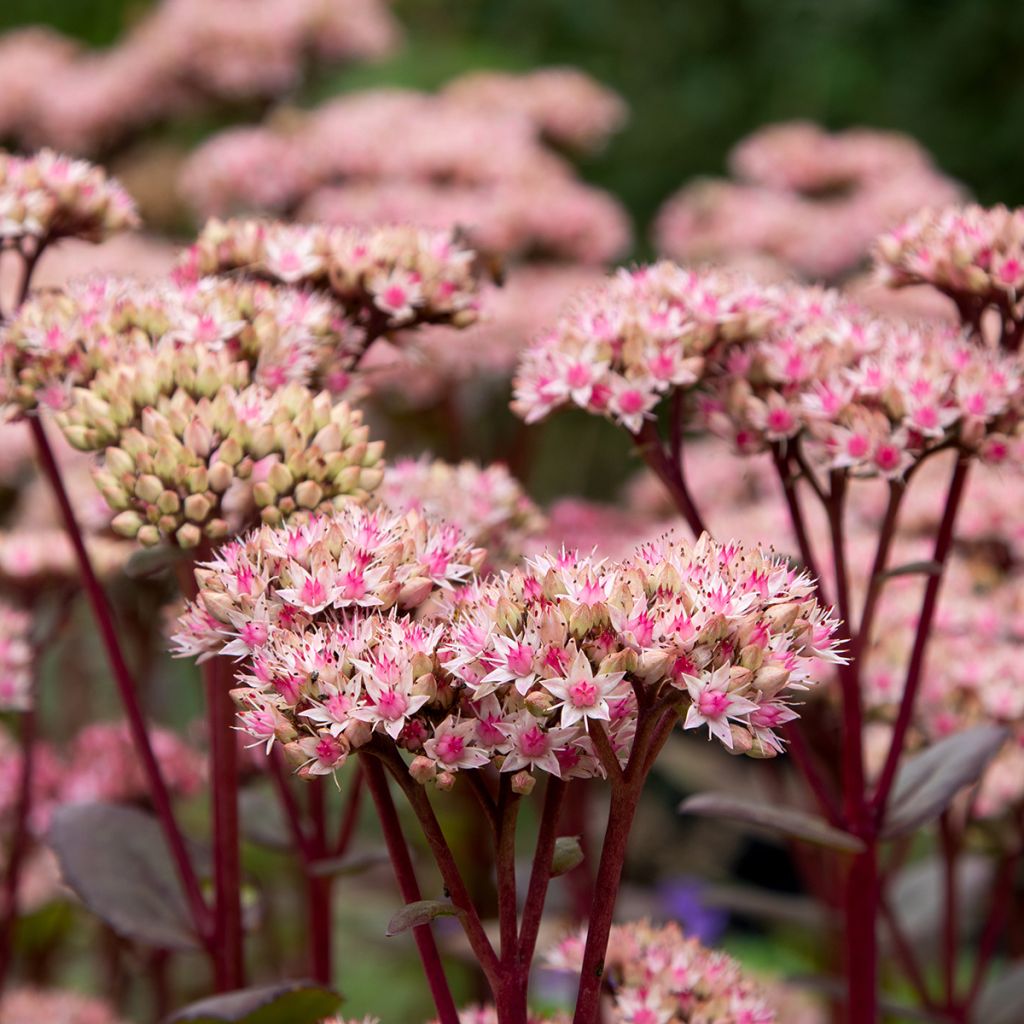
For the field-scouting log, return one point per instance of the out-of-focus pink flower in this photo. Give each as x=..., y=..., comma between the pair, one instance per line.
x=813, y=200
x=33, y=1006
x=658, y=976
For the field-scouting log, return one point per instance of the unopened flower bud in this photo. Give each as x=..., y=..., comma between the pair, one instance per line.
x=539, y=703
x=422, y=769
x=523, y=783
x=197, y=507
x=126, y=524
x=445, y=781
x=189, y=535
x=148, y=488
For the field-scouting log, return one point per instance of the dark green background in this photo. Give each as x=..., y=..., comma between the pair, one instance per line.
x=699, y=74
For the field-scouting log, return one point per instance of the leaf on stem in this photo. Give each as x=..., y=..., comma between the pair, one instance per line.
x=116, y=861
x=927, y=782
x=145, y=563
x=787, y=821
x=290, y=1002
x=568, y=855
x=412, y=915
x=349, y=864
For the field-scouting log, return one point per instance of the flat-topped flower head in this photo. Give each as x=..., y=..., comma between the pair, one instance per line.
x=868, y=395
x=48, y=196
x=62, y=339
x=518, y=670
x=656, y=975
x=647, y=332
x=971, y=253
x=384, y=278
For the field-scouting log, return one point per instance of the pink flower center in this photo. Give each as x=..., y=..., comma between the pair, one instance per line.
x=713, y=703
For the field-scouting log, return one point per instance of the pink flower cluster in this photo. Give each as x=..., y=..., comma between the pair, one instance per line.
x=655, y=975
x=569, y=107
x=622, y=347
x=16, y=658
x=180, y=57
x=973, y=254
x=974, y=674
x=406, y=156
x=868, y=395
x=519, y=669
x=99, y=764
x=384, y=279
x=486, y=503
x=769, y=364
x=813, y=200
x=31, y=1006
x=49, y=196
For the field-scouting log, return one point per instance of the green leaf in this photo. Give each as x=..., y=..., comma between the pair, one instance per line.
x=290, y=1002
x=349, y=864
x=1001, y=1001
x=412, y=915
x=786, y=820
x=116, y=861
x=568, y=855
x=927, y=782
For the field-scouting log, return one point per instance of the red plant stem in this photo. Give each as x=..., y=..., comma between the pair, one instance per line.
x=227, y=868
x=511, y=997
x=405, y=874
x=887, y=533
x=668, y=469
x=1002, y=894
x=915, y=668
x=861, y=943
x=796, y=516
x=950, y=854
x=540, y=873
x=104, y=617
x=319, y=893
x=450, y=874
x=20, y=839
x=350, y=817
x=625, y=798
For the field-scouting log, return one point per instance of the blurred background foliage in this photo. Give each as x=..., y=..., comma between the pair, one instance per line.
x=700, y=74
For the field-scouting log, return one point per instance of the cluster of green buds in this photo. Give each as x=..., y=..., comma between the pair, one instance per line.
x=192, y=450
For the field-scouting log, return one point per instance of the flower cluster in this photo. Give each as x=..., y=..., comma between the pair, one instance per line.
x=813, y=200
x=29, y=1006
x=774, y=362
x=973, y=675
x=16, y=658
x=403, y=156
x=486, y=503
x=100, y=764
x=182, y=55
x=871, y=396
x=974, y=255
x=519, y=669
x=655, y=975
x=569, y=107
x=60, y=340
x=49, y=196
x=385, y=279
x=190, y=450
x=622, y=347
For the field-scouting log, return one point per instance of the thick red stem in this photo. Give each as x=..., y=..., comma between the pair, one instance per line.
x=540, y=873
x=405, y=874
x=227, y=867
x=104, y=617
